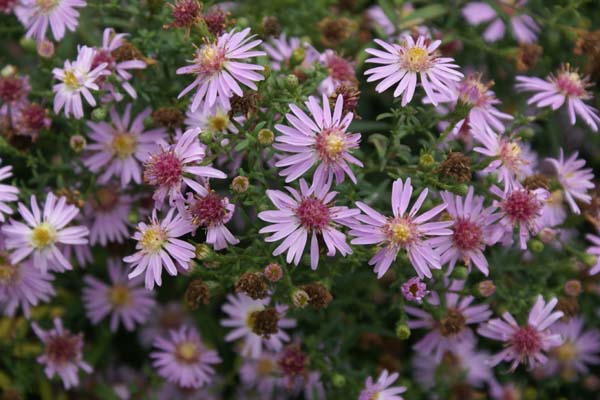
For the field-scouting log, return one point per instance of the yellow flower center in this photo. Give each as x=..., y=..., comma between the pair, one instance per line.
x=187, y=352
x=218, y=122
x=556, y=197
x=566, y=352
x=43, y=235
x=124, y=144
x=119, y=296
x=334, y=145
x=208, y=54
x=416, y=59
x=7, y=271
x=71, y=80
x=46, y=5
x=401, y=233
x=265, y=367
x=153, y=239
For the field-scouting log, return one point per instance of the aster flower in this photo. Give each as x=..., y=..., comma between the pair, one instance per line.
x=111, y=53
x=165, y=169
x=280, y=50
x=262, y=373
x=404, y=231
x=594, y=250
x=165, y=317
x=382, y=389
x=527, y=343
x=76, y=79
x=308, y=212
x=509, y=162
x=566, y=86
x=340, y=72
x=377, y=17
x=43, y=232
x=523, y=26
x=158, y=247
x=214, y=120
x=62, y=353
x=473, y=230
x=8, y=193
x=554, y=212
x=118, y=148
x=580, y=349
x=414, y=289
x=108, y=211
x=402, y=63
x=182, y=358
x=320, y=140
x=212, y=211
x=14, y=90
x=574, y=179
x=36, y=15
x=22, y=285
x=520, y=208
x=126, y=301
x=452, y=327
x=260, y=327
x=218, y=70
x=28, y=119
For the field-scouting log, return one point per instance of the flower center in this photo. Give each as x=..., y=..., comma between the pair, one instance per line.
x=526, y=341
x=218, y=122
x=521, y=206
x=330, y=144
x=43, y=235
x=163, y=169
x=566, y=352
x=106, y=199
x=62, y=349
x=210, y=59
x=119, y=296
x=340, y=69
x=570, y=83
x=153, y=239
x=452, y=323
x=416, y=59
x=124, y=144
x=265, y=367
x=473, y=91
x=556, y=197
x=263, y=322
x=313, y=213
x=7, y=272
x=208, y=210
x=46, y=5
x=369, y=394
x=187, y=352
x=467, y=234
x=510, y=153
x=103, y=56
x=11, y=89
x=70, y=80
x=401, y=231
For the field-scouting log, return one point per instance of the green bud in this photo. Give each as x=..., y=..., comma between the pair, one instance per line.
x=426, y=161
x=460, y=273
x=298, y=55
x=300, y=298
x=266, y=71
x=28, y=44
x=536, y=246
x=461, y=189
x=99, y=114
x=527, y=133
x=202, y=251
x=265, y=137
x=206, y=137
x=338, y=380
x=291, y=82
x=402, y=331
x=589, y=259
x=530, y=394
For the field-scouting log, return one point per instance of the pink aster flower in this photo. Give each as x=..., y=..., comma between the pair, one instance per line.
x=404, y=231
x=28, y=119
x=8, y=193
x=280, y=49
x=242, y=315
x=509, y=162
x=566, y=86
x=218, y=68
x=118, y=148
x=62, y=353
x=14, y=90
x=308, y=212
x=594, y=250
x=340, y=72
x=7, y=6
x=43, y=232
x=523, y=26
x=111, y=42
x=182, y=358
x=262, y=373
x=320, y=140
x=158, y=247
x=212, y=211
x=452, y=327
x=473, y=229
x=76, y=79
x=527, y=343
x=215, y=120
x=36, y=15
x=382, y=389
x=414, y=289
x=165, y=317
x=108, y=213
x=402, y=63
x=22, y=285
x=580, y=349
x=574, y=179
x=520, y=208
x=165, y=169
x=125, y=301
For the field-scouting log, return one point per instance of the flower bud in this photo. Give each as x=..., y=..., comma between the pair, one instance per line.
x=77, y=143
x=202, y=251
x=27, y=44
x=486, y=288
x=206, y=137
x=300, y=298
x=253, y=285
x=402, y=331
x=319, y=296
x=99, y=114
x=298, y=55
x=460, y=273
x=536, y=246
x=266, y=137
x=426, y=161
x=240, y=184
x=45, y=48
x=291, y=82
x=273, y=272
x=589, y=259
x=197, y=294
x=338, y=380
x=573, y=287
